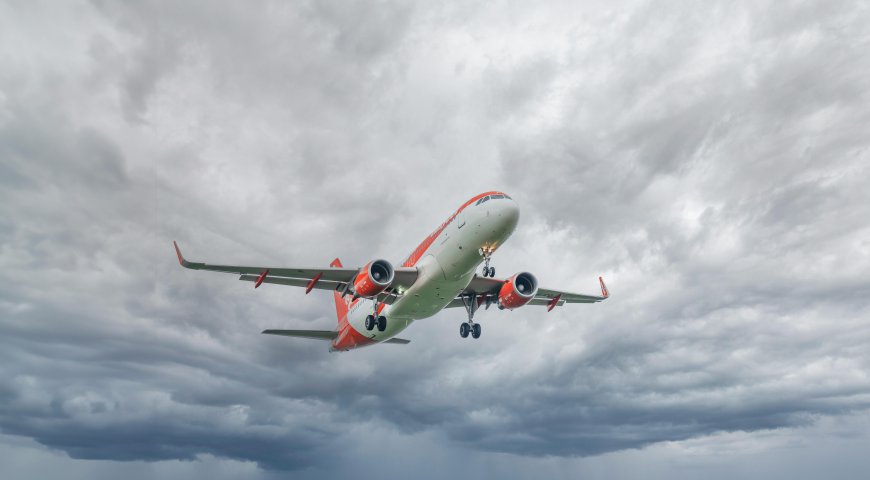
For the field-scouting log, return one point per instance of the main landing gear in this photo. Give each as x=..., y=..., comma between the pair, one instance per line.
x=375, y=320
x=473, y=328
x=486, y=253
x=471, y=304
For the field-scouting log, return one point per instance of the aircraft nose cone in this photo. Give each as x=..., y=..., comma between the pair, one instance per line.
x=511, y=213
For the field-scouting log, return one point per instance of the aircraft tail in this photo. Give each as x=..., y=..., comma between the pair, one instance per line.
x=340, y=304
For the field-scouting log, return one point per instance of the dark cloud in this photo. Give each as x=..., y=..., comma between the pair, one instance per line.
x=709, y=160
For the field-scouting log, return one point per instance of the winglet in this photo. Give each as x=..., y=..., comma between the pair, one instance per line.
x=604, y=292
x=181, y=260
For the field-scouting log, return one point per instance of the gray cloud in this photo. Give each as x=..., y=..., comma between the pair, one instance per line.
x=710, y=161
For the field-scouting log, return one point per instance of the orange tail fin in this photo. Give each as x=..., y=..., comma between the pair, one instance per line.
x=340, y=304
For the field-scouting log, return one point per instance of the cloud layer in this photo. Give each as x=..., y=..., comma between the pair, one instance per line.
x=709, y=160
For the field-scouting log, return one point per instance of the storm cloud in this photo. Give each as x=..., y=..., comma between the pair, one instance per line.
x=710, y=160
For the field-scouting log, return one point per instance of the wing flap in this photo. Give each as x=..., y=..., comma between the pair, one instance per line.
x=389, y=296
x=568, y=297
x=457, y=302
x=321, y=284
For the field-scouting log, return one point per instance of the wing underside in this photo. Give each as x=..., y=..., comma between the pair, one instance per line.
x=328, y=278
x=485, y=288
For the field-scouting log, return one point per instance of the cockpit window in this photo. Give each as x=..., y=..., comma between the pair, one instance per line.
x=482, y=200
x=507, y=196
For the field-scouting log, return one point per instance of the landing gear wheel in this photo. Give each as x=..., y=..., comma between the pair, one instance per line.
x=486, y=253
x=475, y=330
x=463, y=330
x=382, y=324
x=370, y=322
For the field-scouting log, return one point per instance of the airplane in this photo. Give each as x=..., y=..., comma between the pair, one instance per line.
x=377, y=301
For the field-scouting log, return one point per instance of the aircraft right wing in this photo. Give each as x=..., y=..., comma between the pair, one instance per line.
x=484, y=288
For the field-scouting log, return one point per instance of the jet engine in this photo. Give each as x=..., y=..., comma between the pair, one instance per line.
x=517, y=291
x=373, y=278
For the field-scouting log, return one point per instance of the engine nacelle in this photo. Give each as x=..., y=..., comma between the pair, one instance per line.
x=373, y=279
x=517, y=291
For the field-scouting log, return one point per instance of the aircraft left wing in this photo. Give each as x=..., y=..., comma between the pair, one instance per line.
x=487, y=288
x=334, y=277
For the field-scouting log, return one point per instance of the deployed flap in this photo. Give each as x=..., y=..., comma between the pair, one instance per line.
x=316, y=334
x=400, y=341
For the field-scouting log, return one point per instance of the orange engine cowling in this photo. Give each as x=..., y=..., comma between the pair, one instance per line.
x=517, y=291
x=373, y=279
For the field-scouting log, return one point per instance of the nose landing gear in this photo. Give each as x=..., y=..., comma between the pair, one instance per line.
x=486, y=253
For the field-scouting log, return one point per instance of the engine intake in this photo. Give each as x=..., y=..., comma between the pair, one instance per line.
x=517, y=291
x=373, y=279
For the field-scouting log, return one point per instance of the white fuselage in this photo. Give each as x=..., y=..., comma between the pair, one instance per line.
x=445, y=268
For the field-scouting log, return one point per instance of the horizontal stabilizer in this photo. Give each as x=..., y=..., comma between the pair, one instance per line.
x=323, y=335
x=316, y=334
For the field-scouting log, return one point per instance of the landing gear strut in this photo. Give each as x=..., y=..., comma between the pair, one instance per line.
x=486, y=253
x=374, y=320
x=471, y=304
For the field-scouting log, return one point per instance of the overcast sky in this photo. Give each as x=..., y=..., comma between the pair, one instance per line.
x=709, y=159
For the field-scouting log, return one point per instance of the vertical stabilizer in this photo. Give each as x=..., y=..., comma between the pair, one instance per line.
x=340, y=304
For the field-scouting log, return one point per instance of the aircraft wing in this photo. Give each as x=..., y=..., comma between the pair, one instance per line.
x=334, y=277
x=484, y=287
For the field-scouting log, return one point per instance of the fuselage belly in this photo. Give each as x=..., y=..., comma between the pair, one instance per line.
x=445, y=267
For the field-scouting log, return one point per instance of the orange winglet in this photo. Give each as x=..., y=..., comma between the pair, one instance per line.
x=604, y=292
x=554, y=302
x=261, y=278
x=178, y=252
x=312, y=283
